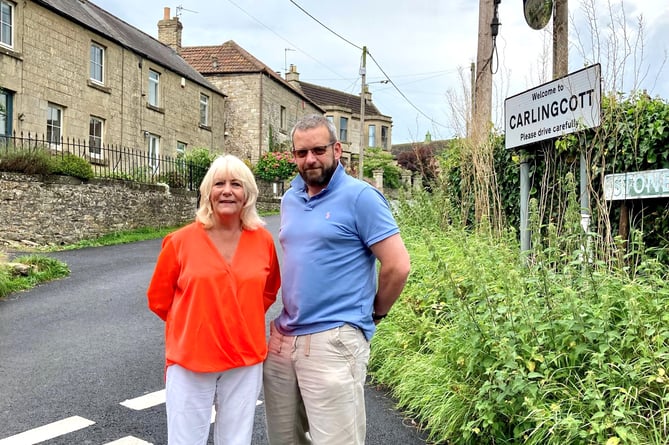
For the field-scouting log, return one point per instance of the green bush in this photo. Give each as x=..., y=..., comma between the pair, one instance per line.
x=197, y=163
x=376, y=158
x=72, y=165
x=30, y=162
x=275, y=166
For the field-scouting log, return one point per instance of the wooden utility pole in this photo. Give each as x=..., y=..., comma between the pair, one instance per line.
x=482, y=106
x=560, y=39
x=363, y=73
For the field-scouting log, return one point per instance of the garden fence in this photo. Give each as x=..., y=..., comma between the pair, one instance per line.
x=114, y=162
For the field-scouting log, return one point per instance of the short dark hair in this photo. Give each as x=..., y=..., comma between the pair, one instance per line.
x=314, y=121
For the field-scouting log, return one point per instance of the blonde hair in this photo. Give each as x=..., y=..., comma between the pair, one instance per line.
x=232, y=167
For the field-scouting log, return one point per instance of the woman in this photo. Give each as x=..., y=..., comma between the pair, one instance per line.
x=213, y=282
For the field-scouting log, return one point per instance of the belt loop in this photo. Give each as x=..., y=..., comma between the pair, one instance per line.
x=307, y=345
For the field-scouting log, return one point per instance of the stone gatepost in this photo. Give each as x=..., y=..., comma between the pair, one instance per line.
x=378, y=179
x=406, y=180
x=417, y=181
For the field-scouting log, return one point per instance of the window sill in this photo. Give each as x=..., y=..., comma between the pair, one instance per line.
x=154, y=108
x=11, y=53
x=204, y=127
x=98, y=86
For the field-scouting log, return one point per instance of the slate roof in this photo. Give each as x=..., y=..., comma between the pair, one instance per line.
x=98, y=20
x=230, y=58
x=329, y=97
x=436, y=146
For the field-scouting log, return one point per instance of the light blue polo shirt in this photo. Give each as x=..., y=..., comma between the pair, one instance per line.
x=329, y=273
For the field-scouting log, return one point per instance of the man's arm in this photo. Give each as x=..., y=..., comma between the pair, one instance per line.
x=395, y=266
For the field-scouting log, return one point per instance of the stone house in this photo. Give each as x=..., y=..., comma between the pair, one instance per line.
x=261, y=106
x=69, y=69
x=343, y=110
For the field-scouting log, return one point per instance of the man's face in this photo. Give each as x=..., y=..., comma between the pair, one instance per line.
x=316, y=169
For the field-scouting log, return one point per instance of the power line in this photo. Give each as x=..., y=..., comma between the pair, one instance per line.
x=402, y=94
x=375, y=62
x=324, y=65
x=345, y=40
x=324, y=26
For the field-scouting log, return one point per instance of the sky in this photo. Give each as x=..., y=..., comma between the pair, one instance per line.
x=423, y=47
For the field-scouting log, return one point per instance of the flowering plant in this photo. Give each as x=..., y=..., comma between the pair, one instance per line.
x=275, y=166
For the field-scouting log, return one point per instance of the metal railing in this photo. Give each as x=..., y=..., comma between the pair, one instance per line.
x=113, y=162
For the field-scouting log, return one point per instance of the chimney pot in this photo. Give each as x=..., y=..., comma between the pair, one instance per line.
x=166, y=13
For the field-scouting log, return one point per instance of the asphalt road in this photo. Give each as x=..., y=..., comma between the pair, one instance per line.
x=73, y=350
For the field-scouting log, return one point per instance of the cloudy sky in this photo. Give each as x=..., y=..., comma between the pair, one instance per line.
x=425, y=47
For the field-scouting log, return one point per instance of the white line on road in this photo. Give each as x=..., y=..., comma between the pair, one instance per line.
x=46, y=432
x=129, y=440
x=145, y=401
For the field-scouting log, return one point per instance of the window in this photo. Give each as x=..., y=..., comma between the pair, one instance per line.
x=54, y=125
x=384, y=137
x=204, y=110
x=97, y=63
x=95, y=137
x=343, y=129
x=284, y=125
x=5, y=114
x=330, y=118
x=154, y=151
x=181, y=149
x=372, y=136
x=154, y=88
x=6, y=24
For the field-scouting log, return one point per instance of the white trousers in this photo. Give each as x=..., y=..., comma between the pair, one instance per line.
x=191, y=395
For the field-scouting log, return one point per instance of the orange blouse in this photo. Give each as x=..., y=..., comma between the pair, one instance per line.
x=214, y=311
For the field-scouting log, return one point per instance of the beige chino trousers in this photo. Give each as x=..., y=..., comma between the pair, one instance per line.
x=314, y=387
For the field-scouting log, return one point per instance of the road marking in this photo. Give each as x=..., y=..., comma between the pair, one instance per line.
x=129, y=440
x=145, y=401
x=46, y=432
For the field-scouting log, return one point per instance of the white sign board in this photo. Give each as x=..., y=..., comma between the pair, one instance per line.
x=636, y=185
x=554, y=109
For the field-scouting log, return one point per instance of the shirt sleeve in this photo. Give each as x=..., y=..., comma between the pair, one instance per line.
x=273, y=279
x=163, y=284
x=374, y=219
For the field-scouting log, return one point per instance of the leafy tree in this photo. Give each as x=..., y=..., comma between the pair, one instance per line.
x=377, y=158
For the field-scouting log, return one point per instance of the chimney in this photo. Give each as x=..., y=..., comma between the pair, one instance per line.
x=169, y=31
x=293, y=77
x=368, y=95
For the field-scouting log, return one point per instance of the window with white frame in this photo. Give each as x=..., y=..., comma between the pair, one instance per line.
x=181, y=154
x=154, y=151
x=204, y=110
x=181, y=149
x=372, y=136
x=343, y=129
x=54, y=125
x=6, y=24
x=5, y=113
x=154, y=88
x=97, y=63
x=95, y=129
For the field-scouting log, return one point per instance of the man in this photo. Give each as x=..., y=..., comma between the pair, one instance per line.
x=333, y=229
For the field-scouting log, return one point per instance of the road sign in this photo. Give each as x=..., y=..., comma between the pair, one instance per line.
x=637, y=185
x=554, y=109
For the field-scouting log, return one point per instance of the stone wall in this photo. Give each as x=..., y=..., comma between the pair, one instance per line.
x=58, y=210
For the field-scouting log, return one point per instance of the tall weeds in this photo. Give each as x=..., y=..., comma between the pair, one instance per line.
x=488, y=347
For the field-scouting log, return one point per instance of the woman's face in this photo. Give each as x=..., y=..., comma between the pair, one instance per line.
x=227, y=196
